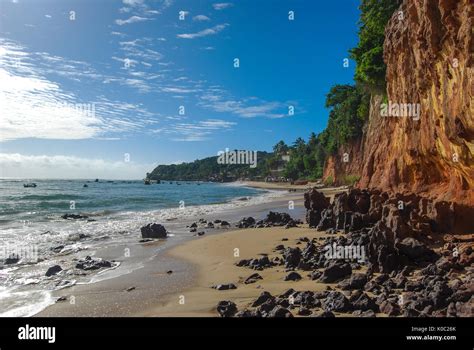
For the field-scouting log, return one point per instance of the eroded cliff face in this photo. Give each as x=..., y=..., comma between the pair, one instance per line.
x=428, y=51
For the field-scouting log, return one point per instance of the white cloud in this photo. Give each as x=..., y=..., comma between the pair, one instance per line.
x=222, y=5
x=117, y=34
x=14, y=165
x=210, y=31
x=201, y=18
x=133, y=19
x=34, y=106
x=132, y=2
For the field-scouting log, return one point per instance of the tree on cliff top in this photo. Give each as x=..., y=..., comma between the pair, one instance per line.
x=370, y=69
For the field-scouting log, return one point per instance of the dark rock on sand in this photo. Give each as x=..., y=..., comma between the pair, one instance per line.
x=89, y=263
x=413, y=249
x=246, y=222
x=253, y=278
x=226, y=308
x=53, y=270
x=292, y=257
x=278, y=219
x=390, y=308
x=364, y=303
x=153, y=231
x=336, y=301
x=262, y=298
x=355, y=281
x=293, y=276
x=279, y=311
x=225, y=286
x=335, y=271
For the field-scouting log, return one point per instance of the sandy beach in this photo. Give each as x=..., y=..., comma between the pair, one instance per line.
x=215, y=261
x=188, y=266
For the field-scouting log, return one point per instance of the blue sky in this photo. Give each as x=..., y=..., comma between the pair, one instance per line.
x=135, y=62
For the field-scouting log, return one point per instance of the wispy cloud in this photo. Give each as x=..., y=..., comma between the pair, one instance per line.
x=133, y=19
x=220, y=101
x=201, y=18
x=133, y=2
x=197, y=131
x=210, y=31
x=222, y=5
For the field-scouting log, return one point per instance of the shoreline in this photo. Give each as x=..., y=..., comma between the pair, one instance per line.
x=150, y=282
x=146, y=287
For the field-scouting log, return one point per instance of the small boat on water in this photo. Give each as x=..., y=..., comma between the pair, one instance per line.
x=30, y=184
x=147, y=182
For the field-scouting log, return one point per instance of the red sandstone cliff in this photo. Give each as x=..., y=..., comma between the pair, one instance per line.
x=429, y=55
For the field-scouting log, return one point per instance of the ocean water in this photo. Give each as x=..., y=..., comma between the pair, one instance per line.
x=31, y=227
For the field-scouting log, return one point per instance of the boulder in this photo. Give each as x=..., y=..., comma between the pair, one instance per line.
x=414, y=249
x=315, y=200
x=355, y=281
x=226, y=308
x=336, y=301
x=89, y=263
x=293, y=276
x=53, y=270
x=279, y=311
x=263, y=298
x=291, y=257
x=153, y=231
x=335, y=271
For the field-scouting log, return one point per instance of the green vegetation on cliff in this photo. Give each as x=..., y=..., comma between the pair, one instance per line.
x=368, y=54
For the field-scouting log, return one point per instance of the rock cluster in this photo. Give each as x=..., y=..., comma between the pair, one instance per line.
x=404, y=275
x=395, y=228
x=272, y=219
